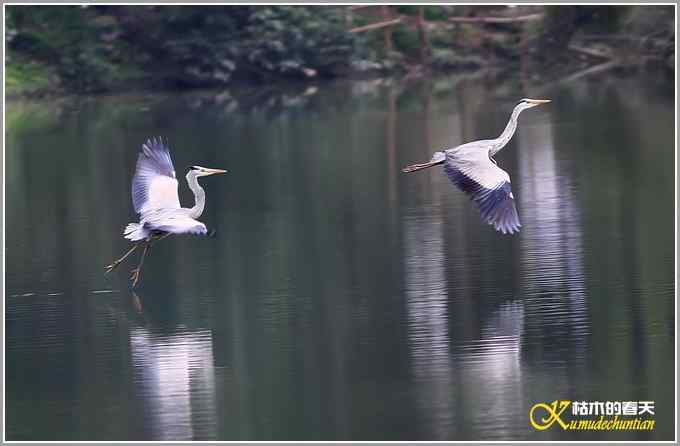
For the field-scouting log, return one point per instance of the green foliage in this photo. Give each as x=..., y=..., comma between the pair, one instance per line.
x=562, y=21
x=652, y=27
x=603, y=19
x=95, y=48
x=288, y=39
x=24, y=77
x=65, y=37
x=431, y=13
x=437, y=13
x=405, y=40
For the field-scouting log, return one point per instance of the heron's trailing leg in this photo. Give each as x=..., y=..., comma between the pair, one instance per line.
x=115, y=263
x=138, y=271
x=437, y=158
x=134, y=277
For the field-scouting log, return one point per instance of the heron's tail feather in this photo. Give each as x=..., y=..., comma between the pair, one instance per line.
x=414, y=167
x=135, y=232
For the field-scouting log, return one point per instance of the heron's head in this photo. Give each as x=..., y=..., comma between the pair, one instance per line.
x=529, y=103
x=204, y=171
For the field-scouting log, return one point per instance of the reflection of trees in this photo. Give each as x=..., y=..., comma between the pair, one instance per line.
x=553, y=277
x=553, y=282
x=426, y=304
x=425, y=287
x=625, y=187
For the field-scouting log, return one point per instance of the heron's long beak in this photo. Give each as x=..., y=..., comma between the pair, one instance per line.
x=538, y=101
x=214, y=171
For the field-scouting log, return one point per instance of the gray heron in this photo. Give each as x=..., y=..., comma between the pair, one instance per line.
x=473, y=169
x=155, y=199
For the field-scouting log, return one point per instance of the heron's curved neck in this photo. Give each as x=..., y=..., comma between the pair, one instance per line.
x=199, y=195
x=510, y=128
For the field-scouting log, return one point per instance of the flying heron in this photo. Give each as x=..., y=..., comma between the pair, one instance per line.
x=472, y=168
x=155, y=199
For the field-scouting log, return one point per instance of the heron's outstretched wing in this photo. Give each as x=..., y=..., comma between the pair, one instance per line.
x=175, y=221
x=154, y=185
x=487, y=185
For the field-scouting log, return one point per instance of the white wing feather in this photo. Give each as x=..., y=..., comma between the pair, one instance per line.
x=162, y=194
x=474, y=162
x=154, y=185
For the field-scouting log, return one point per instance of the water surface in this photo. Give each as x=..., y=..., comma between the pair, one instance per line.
x=341, y=299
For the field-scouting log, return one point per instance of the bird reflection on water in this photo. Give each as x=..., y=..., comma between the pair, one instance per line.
x=174, y=376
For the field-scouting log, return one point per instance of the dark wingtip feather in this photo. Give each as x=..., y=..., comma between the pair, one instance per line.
x=158, y=153
x=496, y=206
x=506, y=219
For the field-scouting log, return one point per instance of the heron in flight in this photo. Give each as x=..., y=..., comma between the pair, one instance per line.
x=472, y=168
x=155, y=199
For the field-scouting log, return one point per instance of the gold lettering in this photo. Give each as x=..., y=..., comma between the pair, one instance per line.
x=554, y=410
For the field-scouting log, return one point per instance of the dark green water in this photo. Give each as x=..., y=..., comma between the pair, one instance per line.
x=341, y=299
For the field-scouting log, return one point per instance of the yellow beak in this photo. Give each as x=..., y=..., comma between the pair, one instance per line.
x=214, y=171
x=538, y=101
